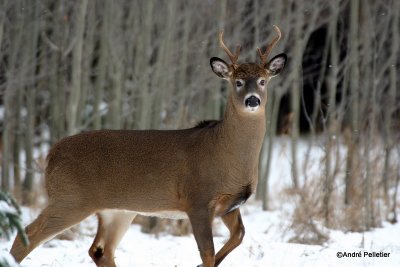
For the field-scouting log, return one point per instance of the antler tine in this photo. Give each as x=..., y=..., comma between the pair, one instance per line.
x=233, y=57
x=264, y=56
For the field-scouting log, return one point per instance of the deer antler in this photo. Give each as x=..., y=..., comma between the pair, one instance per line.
x=264, y=56
x=233, y=57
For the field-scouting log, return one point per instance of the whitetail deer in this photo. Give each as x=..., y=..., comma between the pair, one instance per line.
x=197, y=173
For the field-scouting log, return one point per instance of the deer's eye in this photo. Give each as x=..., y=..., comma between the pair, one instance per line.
x=262, y=82
x=239, y=84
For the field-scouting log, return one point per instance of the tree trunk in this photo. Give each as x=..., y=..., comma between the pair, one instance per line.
x=87, y=61
x=272, y=122
x=10, y=94
x=101, y=67
x=295, y=94
x=182, y=75
x=331, y=127
x=116, y=69
x=73, y=107
x=143, y=67
x=390, y=108
x=30, y=104
x=352, y=154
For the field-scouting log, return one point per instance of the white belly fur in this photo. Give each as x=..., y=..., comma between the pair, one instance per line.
x=167, y=214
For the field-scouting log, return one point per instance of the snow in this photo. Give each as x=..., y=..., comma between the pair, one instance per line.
x=5, y=207
x=6, y=260
x=266, y=242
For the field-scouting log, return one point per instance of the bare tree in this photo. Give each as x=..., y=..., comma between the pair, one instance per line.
x=76, y=79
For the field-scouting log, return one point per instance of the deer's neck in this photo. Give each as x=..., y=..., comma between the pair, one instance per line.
x=242, y=134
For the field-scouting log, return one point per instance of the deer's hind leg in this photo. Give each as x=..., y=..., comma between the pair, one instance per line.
x=54, y=219
x=112, y=225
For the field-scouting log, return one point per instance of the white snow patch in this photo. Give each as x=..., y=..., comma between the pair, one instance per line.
x=264, y=244
x=6, y=208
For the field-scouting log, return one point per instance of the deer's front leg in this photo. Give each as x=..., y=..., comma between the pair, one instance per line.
x=232, y=220
x=201, y=221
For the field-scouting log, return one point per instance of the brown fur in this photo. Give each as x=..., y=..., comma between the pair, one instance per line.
x=205, y=171
x=249, y=70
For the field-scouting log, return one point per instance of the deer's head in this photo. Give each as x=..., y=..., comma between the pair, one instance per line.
x=249, y=80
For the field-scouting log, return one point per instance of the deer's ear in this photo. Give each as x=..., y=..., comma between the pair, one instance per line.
x=276, y=64
x=220, y=67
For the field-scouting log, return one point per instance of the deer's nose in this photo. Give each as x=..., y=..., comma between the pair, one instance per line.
x=252, y=101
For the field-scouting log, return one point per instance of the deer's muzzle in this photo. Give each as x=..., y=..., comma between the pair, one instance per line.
x=252, y=102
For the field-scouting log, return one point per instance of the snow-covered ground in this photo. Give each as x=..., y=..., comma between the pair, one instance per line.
x=265, y=243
